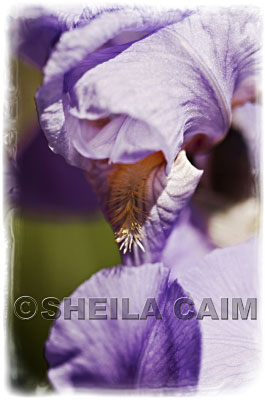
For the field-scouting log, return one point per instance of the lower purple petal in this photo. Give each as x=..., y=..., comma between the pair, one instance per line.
x=145, y=353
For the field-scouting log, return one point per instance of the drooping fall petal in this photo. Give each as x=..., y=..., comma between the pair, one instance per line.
x=125, y=353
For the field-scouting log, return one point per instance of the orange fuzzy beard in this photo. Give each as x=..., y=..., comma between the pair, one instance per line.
x=127, y=206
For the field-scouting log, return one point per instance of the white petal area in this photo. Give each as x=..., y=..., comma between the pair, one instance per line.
x=230, y=348
x=236, y=223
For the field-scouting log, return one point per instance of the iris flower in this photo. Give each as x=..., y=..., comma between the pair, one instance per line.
x=126, y=112
x=141, y=101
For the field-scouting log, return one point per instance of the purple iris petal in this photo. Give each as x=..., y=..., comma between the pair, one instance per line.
x=97, y=28
x=171, y=85
x=184, y=237
x=47, y=184
x=57, y=114
x=231, y=348
x=150, y=353
x=91, y=61
x=33, y=36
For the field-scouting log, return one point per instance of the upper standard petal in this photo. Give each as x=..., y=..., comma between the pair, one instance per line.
x=179, y=81
x=170, y=86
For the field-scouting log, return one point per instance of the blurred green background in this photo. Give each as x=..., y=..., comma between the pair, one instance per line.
x=50, y=254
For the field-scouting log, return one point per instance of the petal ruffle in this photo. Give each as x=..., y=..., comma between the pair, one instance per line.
x=99, y=27
x=35, y=33
x=119, y=353
x=164, y=81
x=75, y=54
x=230, y=347
x=172, y=85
